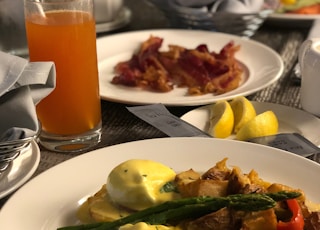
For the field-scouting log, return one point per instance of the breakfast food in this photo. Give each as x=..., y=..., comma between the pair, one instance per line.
x=132, y=185
x=220, y=198
x=299, y=6
x=240, y=118
x=199, y=70
x=136, y=184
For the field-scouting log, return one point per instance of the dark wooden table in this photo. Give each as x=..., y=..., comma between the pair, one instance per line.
x=120, y=126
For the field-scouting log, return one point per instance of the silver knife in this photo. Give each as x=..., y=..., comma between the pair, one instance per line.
x=291, y=142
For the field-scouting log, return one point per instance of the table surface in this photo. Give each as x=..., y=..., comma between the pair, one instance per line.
x=120, y=126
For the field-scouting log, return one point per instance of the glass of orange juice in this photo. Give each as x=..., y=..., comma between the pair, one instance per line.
x=63, y=31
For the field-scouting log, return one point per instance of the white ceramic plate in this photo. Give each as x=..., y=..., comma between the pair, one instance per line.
x=122, y=20
x=264, y=65
x=51, y=199
x=290, y=119
x=20, y=170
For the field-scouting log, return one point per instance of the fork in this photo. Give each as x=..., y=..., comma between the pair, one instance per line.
x=10, y=150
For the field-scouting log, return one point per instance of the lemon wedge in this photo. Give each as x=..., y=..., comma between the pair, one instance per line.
x=221, y=120
x=263, y=124
x=243, y=111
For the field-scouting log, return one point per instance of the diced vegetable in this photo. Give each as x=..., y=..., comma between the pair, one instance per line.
x=296, y=222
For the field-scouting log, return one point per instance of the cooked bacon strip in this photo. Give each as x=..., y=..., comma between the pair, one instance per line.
x=198, y=69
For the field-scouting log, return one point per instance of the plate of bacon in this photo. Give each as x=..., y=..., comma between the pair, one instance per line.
x=183, y=67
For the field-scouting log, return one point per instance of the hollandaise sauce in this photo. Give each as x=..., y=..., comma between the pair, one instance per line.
x=137, y=184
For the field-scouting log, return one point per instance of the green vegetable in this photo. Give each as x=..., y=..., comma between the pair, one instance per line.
x=283, y=195
x=194, y=207
x=169, y=187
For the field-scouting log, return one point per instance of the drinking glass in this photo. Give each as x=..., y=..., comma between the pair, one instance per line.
x=63, y=31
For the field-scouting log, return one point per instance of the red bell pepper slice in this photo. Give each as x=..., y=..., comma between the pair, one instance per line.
x=297, y=221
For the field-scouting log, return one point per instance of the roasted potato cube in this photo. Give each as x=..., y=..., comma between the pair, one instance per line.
x=204, y=188
x=261, y=220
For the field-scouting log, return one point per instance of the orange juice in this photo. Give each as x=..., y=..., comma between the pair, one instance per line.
x=69, y=40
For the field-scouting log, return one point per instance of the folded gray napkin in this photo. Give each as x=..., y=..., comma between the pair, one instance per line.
x=22, y=85
x=231, y=6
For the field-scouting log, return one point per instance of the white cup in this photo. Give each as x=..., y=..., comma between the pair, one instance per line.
x=107, y=10
x=309, y=61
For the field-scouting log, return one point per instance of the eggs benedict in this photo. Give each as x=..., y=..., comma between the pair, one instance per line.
x=132, y=185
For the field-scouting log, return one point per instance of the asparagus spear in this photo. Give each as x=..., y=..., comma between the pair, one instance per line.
x=138, y=216
x=192, y=207
x=283, y=195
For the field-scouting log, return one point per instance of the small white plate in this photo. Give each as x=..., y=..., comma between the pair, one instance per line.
x=20, y=170
x=122, y=20
x=264, y=66
x=291, y=120
x=51, y=199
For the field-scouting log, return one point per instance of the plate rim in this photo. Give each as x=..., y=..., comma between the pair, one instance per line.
x=105, y=94
x=282, y=156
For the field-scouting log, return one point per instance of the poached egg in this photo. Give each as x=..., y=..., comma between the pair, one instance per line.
x=137, y=184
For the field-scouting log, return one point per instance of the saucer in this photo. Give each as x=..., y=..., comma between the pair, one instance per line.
x=20, y=170
x=291, y=120
x=122, y=20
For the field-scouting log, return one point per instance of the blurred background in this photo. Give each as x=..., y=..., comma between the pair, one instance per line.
x=113, y=16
